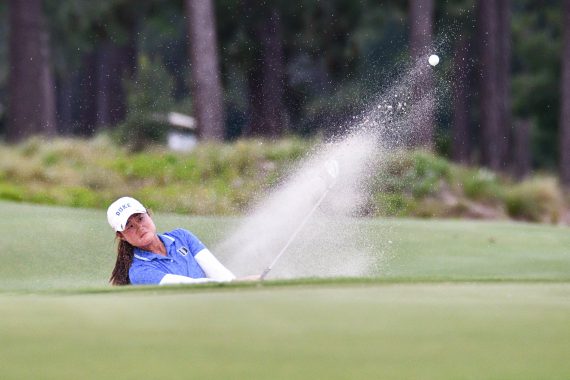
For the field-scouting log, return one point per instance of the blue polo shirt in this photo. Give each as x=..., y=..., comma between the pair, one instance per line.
x=149, y=268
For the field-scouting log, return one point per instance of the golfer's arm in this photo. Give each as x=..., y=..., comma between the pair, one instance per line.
x=171, y=279
x=212, y=267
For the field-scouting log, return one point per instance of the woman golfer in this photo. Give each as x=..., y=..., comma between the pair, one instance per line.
x=145, y=257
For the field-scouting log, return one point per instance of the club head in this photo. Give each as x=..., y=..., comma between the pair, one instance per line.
x=331, y=168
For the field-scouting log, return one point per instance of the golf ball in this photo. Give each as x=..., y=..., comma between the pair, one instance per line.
x=433, y=59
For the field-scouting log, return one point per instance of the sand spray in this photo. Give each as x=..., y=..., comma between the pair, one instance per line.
x=333, y=242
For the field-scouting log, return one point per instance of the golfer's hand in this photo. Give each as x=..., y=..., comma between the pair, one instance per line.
x=253, y=277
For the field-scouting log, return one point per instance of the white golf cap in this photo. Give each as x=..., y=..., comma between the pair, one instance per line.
x=120, y=211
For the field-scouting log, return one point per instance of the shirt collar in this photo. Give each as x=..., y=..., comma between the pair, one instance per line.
x=148, y=256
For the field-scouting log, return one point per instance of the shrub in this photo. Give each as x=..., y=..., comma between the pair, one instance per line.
x=417, y=173
x=11, y=192
x=535, y=200
x=481, y=184
x=393, y=204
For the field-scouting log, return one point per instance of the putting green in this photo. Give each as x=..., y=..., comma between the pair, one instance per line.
x=402, y=331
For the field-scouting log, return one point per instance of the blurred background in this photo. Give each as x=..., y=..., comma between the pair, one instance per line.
x=198, y=72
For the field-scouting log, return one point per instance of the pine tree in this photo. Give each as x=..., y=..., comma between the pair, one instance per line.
x=206, y=82
x=32, y=108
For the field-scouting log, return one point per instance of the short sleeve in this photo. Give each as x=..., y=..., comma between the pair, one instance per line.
x=145, y=274
x=194, y=244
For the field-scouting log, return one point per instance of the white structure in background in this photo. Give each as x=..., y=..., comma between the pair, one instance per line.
x=182, y=136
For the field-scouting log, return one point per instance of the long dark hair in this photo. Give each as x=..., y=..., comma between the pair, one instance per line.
x=125, y=253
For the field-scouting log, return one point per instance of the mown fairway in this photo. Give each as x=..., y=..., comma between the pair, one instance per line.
x=453, y=300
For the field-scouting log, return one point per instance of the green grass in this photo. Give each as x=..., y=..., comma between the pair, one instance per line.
x=46, y=247
x=214, y=178
x=403, y=331
x=452, y=300
x=225, y=179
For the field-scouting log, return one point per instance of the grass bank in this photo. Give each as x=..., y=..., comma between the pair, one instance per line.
x=226, y=179
x=214, y=178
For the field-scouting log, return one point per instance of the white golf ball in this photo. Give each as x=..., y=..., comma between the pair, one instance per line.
x=433, y=59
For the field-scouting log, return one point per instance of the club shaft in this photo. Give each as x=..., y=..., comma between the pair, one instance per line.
x=294, y=234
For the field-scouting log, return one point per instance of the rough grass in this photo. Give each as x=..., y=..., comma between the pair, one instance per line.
x=213, y=179
x=421, y=184
x=455, y=299
x=226, y=179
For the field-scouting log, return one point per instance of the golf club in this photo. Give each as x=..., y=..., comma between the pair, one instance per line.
x=331, y=168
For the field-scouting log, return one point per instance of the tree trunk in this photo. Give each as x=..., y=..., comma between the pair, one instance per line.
x=421, y=36
x=461, y=139
x=32, y=108
x=206, y=82
x=504, y=79
x=521, y=149
x=115, y=63
x=87, y=94
x=102, y=99
x=565, y=107
x=273, y=76
x=266, y=79
x=493, y=139
x=255, y=123
x=65, y=103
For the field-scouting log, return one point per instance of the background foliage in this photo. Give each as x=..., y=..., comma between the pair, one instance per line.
x=338, y=54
